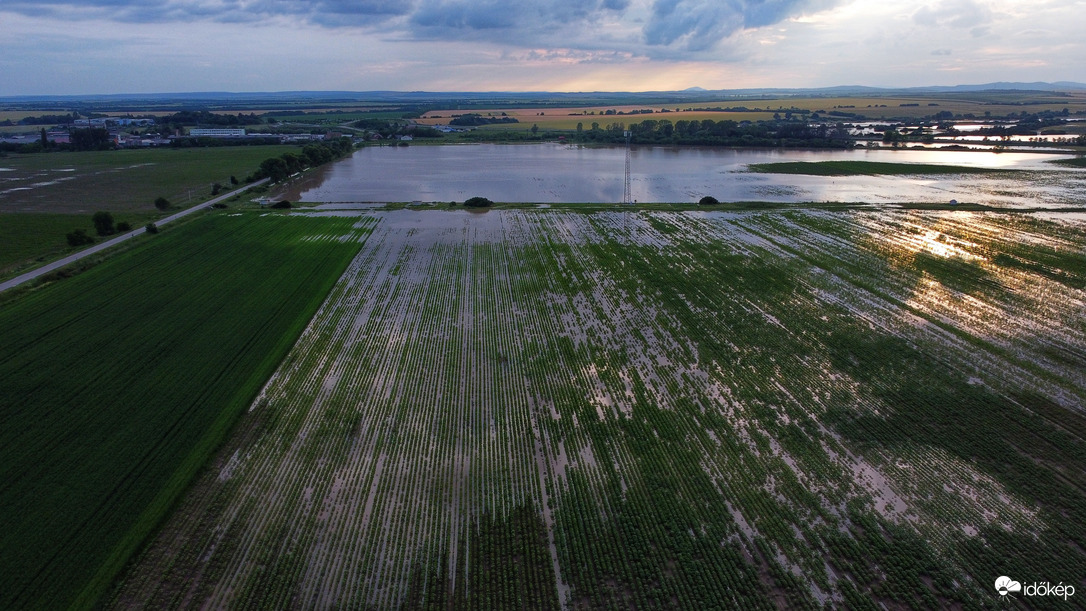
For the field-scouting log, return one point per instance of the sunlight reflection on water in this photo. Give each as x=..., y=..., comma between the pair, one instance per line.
x=552, y=173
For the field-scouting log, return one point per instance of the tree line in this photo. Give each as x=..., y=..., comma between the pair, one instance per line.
x=719, y=133
x=311, y=156
x=203, y=117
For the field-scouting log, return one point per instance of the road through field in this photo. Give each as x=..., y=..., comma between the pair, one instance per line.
x=55, y=265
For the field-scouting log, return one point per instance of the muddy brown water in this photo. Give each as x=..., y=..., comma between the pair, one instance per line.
x=554, y=173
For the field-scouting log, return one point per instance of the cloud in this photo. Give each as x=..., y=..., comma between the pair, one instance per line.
x=698, y=25
x=320, y=12
x=517, y=21
x=954, y=13
x=657, y=28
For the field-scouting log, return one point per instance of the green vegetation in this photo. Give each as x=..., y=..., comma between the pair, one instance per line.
x=475, y=119
x=311, y=156
x=103, y=223
x=1073, y=162
x=119, y=383
x=868, y=168
x=126, y=180
x=33, y=237
x=478, y=202
x=78, y=237
x=659, y=409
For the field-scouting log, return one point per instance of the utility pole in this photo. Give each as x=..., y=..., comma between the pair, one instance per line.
x=627, y=194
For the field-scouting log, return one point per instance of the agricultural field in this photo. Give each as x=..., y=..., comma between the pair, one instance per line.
x=556, y=409
x=982, y=104
x=32, y=237
x=119, y=384
x=45, y=196
x=124, y=180
x=568, y=118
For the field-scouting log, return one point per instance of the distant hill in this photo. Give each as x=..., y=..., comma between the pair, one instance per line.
x=692, y=94
x=1005, y=86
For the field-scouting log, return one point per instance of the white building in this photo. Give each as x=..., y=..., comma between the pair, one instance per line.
x=217, y=132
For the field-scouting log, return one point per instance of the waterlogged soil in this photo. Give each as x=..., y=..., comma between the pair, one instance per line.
x=715, y=410
x=552, y=173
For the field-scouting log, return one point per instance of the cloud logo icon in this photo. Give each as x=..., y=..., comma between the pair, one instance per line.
x=1005, y=585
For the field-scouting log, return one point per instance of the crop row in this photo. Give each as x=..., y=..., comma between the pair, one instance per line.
x=120, y=382
x=609, y=410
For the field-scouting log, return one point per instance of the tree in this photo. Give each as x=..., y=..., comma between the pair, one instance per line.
x=535, y=129
x=90, y=139
x=151, y=228
x=708, y=200
x=275, y=168
x=103, y=223
x=162, y=203
x=478, y=202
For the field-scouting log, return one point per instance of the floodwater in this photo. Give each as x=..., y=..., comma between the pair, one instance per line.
x=556, y=173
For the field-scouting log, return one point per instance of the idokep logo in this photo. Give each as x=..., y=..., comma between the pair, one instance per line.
x=1007, y=586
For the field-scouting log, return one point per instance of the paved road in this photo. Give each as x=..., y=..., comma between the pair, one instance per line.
x=45, y=269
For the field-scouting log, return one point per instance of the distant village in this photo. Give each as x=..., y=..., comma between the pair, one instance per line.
x=131, y=133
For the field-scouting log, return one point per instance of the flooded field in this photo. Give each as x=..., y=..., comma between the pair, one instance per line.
x=553, y=409
x=552, y=173
x=121, y=181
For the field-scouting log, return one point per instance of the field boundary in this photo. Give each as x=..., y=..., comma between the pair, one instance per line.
x=55, y=265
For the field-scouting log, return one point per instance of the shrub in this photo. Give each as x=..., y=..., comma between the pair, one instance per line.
x=124, y=226
x=103, y=223
x=79, y=238
x=162, y=203
x=708, y=200
x=151, y=228
x=478, y=202
x=281, y=205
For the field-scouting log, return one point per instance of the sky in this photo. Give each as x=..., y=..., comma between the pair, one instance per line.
x=50, y=47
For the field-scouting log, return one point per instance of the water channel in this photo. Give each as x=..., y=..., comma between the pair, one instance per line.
x=557, y=173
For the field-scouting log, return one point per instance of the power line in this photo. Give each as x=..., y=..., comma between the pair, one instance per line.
x=627, y=194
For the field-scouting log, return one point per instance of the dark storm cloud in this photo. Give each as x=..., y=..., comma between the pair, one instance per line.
x=667, y=27
x=700, y=24
x=509, y=19
x=322, y=12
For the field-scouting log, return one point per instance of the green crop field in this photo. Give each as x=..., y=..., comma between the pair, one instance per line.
x=124, y=180
x=659, y=409
x=119, y=384
x=31, y=237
